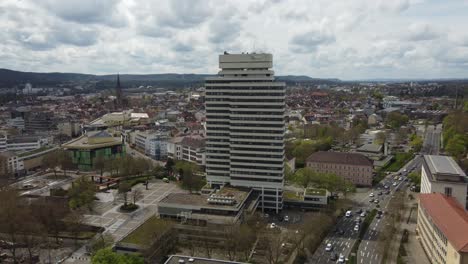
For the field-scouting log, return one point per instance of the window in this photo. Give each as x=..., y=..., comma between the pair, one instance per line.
x=448, y=191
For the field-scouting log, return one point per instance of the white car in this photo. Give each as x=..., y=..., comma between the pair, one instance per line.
x=341, y=259
x=356, y=228
x=363, y=214
x=371, y=195
x=329, y=247
x=348, y=214
x=272, y=225
x=286, y=218
x=394, y=184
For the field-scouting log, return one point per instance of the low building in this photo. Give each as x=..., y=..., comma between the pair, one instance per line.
x=86, y=148
x=443, y=229
x=353, y=167
x=216, y=207
x=310, y=198
x=69, y=128
x=25, y=143
x=441, y=174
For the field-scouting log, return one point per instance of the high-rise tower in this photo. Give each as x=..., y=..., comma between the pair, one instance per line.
x=245, y=126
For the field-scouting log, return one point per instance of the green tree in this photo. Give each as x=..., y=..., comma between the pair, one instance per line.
x=380, y=138
x=107, y=256
x=304, y=177
x=456, y=146
x=416, y=142
x=159, y=172
x=396, y=120
x=190, y=175
x=65, y=161
x=82, y=193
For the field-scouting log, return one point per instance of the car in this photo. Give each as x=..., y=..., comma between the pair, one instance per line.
x=357, y=220
x=380, y=193
x=359, y=211
x=371, y=200
x=272, y=225
x=286, y=218
x=394, y=184
x=376, y=201
x=378, y=216
x=356, y=228
x=329, y=247
x=341, y=259
x=405, y=170
x=363, y=214
x=166, y=180
x=386, y=187
x=333, y=256
x=371, y=195
x=348, y=213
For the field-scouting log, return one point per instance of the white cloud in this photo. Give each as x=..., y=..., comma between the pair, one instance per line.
x=344, y=39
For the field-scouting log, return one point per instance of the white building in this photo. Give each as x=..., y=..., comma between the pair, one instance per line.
x=245, y=121
x=441, y=174
x=17, y=122
x=26, y=143
x=190, y=149
x=11, y=163
x=3, y=143
x=153, y=143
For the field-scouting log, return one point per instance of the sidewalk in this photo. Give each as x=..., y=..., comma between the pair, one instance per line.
x=415, y=253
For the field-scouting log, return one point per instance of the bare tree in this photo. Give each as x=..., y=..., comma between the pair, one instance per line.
x=136, y=195
x=11, y=218
x=124, y=189
x=273, y=247
x=31, y=235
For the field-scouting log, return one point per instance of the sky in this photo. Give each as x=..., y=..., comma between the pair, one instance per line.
x=346, y=39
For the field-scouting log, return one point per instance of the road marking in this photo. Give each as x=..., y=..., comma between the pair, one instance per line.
x=365, y=248
x=368, y=253
x=367, y=243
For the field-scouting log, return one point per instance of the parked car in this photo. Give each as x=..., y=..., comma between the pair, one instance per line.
x=348, y=213
x=363, y=214
x=356, y=228
x=341, y=259
x=329, y=247
x=333, y=256
x=371, y=195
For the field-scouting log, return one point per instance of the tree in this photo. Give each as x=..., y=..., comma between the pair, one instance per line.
x=124, y=189
x=189, y=174
x=380, y=138
x=304, y=177
x=416, y=142
x=74, y=223
x=107, y=256
x=99, y=163
x=456, y=145
x=103, y=241
x=51, y=161
x=159, y=171
x=169, y=165
x=396, y=120
x=11, y=218
x=65, y=161
x=136, y=195
x=32, y=233
x=82, y=193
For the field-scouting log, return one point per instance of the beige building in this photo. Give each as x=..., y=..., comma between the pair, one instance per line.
x=441, y=174
x=354, y=167
x=443, y=229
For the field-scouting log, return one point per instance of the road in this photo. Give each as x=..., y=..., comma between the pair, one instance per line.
x=137, y=154
x=432, y=139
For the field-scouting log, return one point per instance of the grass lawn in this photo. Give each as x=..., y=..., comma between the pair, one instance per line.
x=147, y=232
x=291, y=195
x=400, y=159
x=314, y=191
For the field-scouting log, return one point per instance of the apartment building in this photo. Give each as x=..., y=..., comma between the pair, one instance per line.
x=354, y=167
x=245, y=126
x=190, y=149
x=153, y=143
x=441, y=174
x=10, y=164
x=443, y=229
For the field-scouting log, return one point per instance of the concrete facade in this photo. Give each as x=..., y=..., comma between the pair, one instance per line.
x=245, y=126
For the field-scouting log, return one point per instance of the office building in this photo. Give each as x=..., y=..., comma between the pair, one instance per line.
x=85, y=149
x=245, y=126
x=443, y=229
x=441, y=174
x=152, y=143
x=353, y=167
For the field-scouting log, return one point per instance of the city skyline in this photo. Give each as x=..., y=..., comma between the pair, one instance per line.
x=359, y=40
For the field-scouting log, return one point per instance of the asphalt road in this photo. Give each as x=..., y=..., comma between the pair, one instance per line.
x=432, y=139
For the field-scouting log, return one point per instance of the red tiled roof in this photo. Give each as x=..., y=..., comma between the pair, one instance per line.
x=447, y=214
x=339, y=158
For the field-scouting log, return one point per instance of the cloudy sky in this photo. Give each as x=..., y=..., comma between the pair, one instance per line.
x=348, y=39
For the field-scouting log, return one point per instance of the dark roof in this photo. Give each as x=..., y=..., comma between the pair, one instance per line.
x=193, y=142
x=339, y=158
x=451, y=219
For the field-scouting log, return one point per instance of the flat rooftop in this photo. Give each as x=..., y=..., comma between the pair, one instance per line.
x=237, y=194
x=93, y=141
x=174, y=259
x=443, y=165
x=150, y=230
